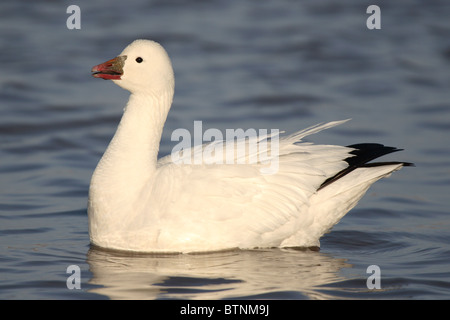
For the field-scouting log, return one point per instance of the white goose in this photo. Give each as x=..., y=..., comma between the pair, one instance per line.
x=139, y=203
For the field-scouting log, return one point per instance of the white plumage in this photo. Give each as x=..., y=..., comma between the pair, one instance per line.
x=139, y=203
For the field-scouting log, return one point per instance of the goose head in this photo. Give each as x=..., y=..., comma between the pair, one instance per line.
x=143, y=67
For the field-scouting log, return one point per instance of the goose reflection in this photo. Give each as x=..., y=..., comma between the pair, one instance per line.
x=239, y=274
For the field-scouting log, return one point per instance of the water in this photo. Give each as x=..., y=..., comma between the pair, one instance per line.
x=272, y=64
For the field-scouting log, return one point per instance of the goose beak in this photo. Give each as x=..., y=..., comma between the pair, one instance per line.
x=110, y=70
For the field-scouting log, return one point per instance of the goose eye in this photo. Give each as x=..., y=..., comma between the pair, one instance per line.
x=139, y=59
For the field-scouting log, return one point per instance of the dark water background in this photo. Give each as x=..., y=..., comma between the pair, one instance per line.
x=249, y=64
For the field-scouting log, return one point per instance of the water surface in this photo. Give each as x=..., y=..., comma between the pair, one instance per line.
x=273, y=64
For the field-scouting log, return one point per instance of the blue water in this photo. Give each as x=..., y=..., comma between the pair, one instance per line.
x=247, y=64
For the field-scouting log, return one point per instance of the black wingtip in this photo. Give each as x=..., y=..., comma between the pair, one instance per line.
x=362, y=154
x=365, y=152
